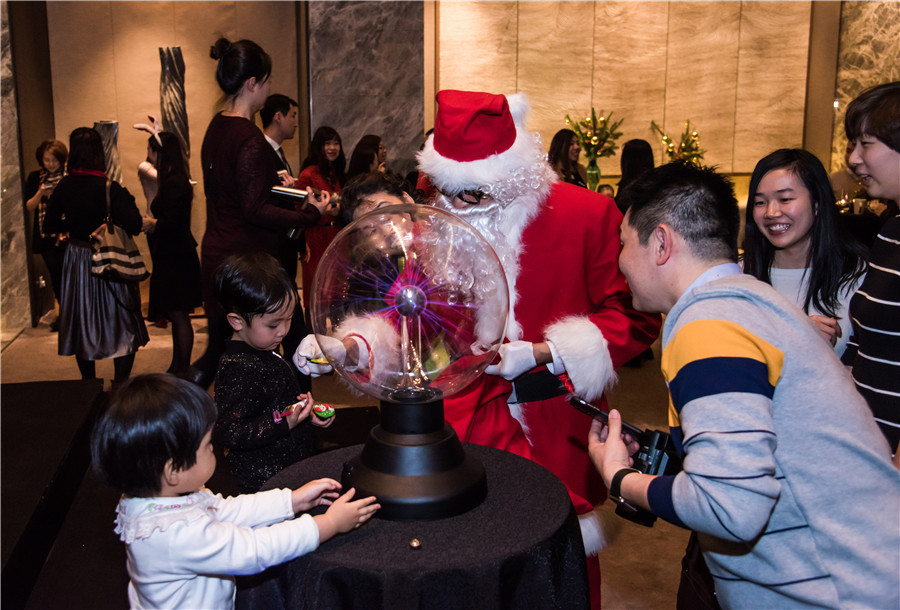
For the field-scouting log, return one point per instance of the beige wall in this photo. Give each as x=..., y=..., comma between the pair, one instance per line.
x=105, y=66
x=737, y=70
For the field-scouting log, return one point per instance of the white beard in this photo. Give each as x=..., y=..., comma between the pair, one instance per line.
x=502, y=227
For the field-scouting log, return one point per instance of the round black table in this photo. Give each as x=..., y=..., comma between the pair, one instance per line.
x=521, y=548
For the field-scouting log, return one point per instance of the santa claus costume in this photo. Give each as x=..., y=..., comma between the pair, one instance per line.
x=559, y=246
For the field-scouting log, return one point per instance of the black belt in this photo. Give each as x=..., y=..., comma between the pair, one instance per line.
x=539, y=385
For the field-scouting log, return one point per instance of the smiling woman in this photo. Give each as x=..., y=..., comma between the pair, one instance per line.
x=873, y=123
x=794, y=241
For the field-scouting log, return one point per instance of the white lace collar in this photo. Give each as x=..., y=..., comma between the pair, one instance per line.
x=138, y=518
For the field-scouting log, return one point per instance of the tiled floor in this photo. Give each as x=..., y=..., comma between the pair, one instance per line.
x=640, y=567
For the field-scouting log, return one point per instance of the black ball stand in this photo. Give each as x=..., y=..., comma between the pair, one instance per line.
x=415, y=465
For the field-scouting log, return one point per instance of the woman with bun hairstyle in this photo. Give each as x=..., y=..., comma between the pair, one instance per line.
x=238, y=175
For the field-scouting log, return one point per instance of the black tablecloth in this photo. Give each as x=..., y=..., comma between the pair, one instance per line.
x=521, y=548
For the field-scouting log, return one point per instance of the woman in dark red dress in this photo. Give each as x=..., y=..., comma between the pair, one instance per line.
x=238, y=174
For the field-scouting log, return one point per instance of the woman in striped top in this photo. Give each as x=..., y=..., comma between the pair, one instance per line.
x=872, y=124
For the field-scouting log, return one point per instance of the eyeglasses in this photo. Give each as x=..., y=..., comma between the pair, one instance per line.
x=471, y=196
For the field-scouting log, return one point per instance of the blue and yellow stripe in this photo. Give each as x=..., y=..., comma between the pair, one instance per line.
x=709, y=357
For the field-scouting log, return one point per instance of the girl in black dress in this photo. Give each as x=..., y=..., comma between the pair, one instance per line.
x=175, y=282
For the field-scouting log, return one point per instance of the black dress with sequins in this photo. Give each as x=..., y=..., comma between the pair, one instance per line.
x=251, y=385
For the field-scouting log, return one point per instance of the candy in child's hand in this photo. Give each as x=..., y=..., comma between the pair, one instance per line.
x=323, y=411
x=292, y=408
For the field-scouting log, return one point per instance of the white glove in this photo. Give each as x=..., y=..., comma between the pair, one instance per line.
x=312, y=348
x=516, y=358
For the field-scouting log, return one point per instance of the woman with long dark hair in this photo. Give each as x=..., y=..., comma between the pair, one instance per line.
x=793, y=240
x=369, y=155
x=637, y=158
x=175, y=281
x=238, y=175
x=563, y=157
x=323, y=169
x=99, y=319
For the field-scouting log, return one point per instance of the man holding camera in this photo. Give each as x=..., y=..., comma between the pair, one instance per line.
x=787, y=481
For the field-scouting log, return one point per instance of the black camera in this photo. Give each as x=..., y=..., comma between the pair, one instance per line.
x=657, y=456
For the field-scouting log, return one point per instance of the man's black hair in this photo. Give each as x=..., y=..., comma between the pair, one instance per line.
x=697, y=202
x=275, y=103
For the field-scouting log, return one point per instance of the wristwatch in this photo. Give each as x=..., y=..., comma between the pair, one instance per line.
x=615, y=492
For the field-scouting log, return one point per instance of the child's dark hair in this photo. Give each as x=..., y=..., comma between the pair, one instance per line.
x=366, y=185
x=252, y=284
x=150, y=420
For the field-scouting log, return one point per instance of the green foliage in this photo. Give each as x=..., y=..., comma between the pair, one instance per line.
x=688, y=149
x=597, y=137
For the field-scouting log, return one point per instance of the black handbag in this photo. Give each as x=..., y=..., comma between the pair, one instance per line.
x=115, y=255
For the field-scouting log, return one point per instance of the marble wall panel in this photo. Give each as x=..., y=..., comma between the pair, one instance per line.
x=14, y=290
x=701, y=75
x=869, y=55
x=554, y=62
x=367, y=74
x=478, y=43
x=629, y=61
x=771, y=86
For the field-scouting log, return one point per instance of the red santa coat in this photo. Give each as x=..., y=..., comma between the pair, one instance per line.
x=568, y=290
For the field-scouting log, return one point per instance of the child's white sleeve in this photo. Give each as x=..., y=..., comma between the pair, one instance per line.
x=256, y=510
x=210, y=546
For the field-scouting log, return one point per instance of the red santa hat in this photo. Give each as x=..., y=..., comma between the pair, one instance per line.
x=478, y=140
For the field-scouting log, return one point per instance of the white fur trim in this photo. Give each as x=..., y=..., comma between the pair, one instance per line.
x=382, y=338
x=454, y=176
x=585, y=354
x=519, y=108
x=593, y=531
x=515, y=409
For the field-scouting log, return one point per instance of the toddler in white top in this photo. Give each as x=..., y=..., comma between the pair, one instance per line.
x=185, y=544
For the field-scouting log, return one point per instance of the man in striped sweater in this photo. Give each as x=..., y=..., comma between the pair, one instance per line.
x=787, y=480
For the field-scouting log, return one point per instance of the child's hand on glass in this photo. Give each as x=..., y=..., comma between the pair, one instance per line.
x=320, y=492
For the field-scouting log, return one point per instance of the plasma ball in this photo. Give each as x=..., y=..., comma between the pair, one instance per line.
x=410, y=301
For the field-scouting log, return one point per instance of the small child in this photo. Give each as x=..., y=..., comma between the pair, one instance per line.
x=184, y=544
x=264, y=421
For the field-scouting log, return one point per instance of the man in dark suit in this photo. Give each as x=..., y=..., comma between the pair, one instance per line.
x=279, y=122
